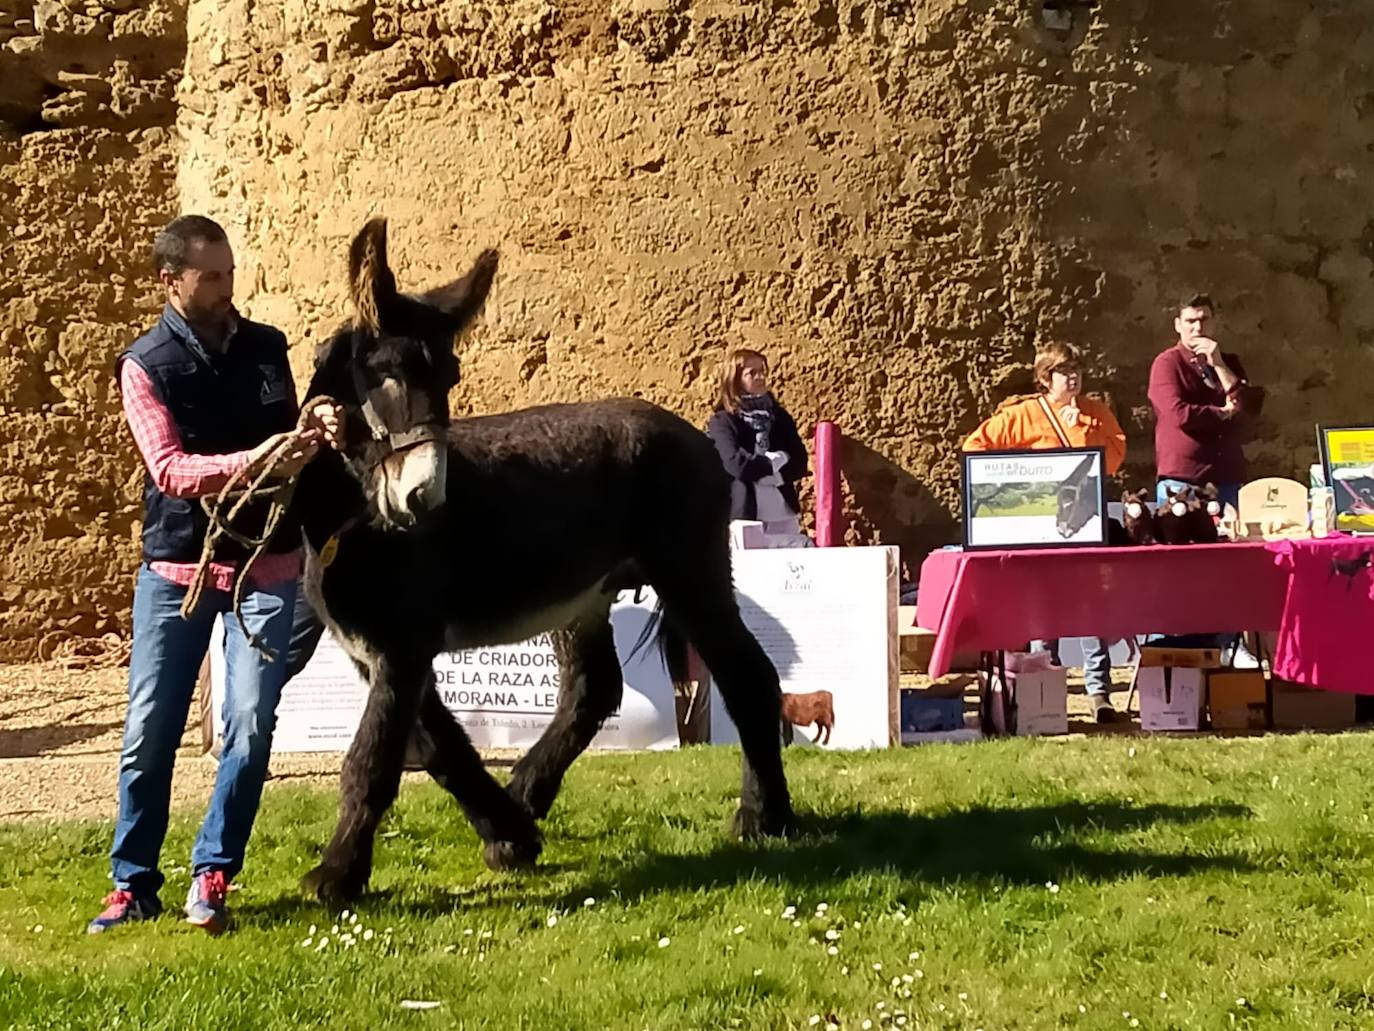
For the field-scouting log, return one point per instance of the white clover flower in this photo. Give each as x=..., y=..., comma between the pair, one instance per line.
x=552, y=921
x=832, y=935
x=833, y=951
x=664, y=942
x=814, y=1019
x=589, y=901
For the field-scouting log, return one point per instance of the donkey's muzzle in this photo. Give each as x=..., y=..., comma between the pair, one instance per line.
x=414, y=482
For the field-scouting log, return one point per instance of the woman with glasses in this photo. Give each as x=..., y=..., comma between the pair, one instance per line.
x=1061, y=416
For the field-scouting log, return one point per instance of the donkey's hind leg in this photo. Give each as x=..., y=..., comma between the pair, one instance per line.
x=510, y=838
x=590, y=688
x=371, y=776
x=700, y=600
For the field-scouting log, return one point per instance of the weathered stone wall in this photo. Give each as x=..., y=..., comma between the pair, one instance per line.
x=87, y=171
x=893, y=199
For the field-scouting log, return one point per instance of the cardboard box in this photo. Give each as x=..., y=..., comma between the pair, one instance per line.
x=924, y=713
x=1182, y=658
x=1237, y=700
x=747, y=533
x=1170, y=698
x=1304, y=708
x=1040, y=698
x=915, y=648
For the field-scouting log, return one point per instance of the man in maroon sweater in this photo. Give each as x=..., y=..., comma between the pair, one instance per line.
x=1201, y=401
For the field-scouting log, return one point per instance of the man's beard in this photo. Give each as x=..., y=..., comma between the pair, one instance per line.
x=211, y=316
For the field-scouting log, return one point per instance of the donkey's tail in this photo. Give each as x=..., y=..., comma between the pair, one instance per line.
x=672, y=645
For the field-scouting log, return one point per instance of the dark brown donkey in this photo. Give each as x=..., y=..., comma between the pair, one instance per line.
x=427, y=535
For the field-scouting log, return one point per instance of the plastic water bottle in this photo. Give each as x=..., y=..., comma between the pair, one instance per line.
x=1322, y=501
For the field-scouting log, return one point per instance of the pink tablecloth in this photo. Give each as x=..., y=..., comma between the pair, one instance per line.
x=990, y=600
x=1328, y=616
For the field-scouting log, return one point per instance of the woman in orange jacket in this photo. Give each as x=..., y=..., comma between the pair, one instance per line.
x=1060, y=416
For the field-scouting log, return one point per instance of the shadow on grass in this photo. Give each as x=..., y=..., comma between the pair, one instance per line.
x=1030, y=845
x=981, y=845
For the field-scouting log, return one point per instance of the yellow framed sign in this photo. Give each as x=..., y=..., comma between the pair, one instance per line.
x=1348, y=462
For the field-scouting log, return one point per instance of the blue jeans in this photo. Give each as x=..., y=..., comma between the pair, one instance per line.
x=306, y=630
x=167, y=653
x=1097, y=664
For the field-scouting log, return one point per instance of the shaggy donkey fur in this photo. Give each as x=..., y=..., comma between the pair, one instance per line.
x=545, y=515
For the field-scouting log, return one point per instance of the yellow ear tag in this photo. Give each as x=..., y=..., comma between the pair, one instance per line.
x=329, y=552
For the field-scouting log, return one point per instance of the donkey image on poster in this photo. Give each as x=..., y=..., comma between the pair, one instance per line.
x=426, y=535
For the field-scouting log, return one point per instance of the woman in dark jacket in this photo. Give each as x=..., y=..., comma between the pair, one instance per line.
x=759, y=447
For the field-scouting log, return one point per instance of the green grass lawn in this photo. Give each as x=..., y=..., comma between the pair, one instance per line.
x=1015, y=884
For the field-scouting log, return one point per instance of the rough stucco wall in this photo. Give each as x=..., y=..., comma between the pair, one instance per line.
x=87, y=172
x=894, y=200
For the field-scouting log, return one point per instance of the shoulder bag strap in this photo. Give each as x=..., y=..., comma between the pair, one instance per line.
x=1054, y=422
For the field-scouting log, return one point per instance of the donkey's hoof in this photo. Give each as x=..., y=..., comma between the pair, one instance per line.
x=511, y=855
x=333, y=886
x=757, y=823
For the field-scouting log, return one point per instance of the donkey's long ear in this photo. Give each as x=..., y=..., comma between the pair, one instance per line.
x=371, y=283
x=462, y=299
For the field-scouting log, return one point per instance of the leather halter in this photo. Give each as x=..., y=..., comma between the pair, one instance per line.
x=399, y=440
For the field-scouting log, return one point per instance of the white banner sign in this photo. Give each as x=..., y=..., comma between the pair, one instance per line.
x=827, y=617
x=503, y=696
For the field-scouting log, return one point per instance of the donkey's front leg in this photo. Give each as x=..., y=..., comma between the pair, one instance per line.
x=371, y=776
x=509, y=835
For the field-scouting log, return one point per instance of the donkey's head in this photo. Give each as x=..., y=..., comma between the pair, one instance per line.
x=392, y=369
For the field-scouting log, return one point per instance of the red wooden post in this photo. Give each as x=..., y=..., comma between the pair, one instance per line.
x=829, y=521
